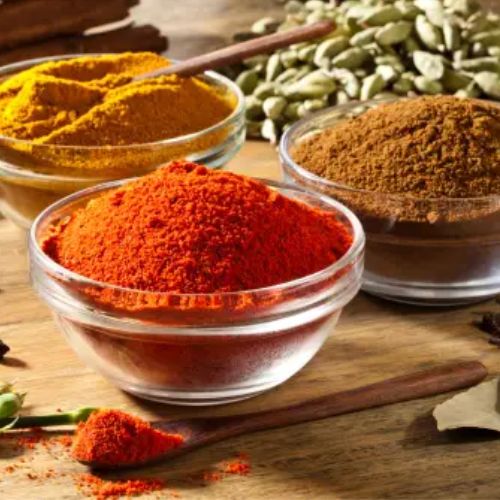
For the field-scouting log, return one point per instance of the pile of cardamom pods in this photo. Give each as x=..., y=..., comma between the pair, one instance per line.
x=379, y=47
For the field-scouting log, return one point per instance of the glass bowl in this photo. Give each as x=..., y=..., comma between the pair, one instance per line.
x=443, y=251
x=32, y=176
x=196, y=349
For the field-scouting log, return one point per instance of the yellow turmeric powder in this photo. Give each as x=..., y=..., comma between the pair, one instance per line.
x=56, y=117
x=91, y=101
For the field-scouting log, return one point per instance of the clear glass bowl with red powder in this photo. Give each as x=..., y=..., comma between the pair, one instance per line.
x=431, y=252
x=196, y=349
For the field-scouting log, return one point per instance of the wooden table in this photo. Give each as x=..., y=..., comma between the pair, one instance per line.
x=391, y=452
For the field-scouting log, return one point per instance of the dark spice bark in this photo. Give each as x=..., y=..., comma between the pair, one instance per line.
x=27, y=21
x=129, y=38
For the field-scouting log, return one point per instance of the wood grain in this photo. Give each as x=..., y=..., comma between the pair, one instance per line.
x=391, y=452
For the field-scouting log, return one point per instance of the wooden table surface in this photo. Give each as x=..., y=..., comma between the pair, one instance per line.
x=391, y=452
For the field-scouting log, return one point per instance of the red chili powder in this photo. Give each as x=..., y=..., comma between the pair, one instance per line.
x=187, y=229
x=101, y=489
x=239, y=466
x=112, y=437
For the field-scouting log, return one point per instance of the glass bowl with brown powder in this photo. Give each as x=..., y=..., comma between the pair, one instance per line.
x=70, y=122
x=423, y=176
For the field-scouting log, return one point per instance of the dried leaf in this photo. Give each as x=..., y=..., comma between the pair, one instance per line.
x=478, y=407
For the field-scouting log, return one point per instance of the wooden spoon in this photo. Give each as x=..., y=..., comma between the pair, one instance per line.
x=199, y=432
x=241, y=51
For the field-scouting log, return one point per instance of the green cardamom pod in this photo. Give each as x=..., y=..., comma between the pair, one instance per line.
x=307, y=53
x=479, y=50
x=411, y=45
x=351, y=58
x=471, y=91
x=403, y=85
x=451, y=36
x=429, y=65
x=264, y=26
x=476, y=23
x=247, y=81
x=266, y=89
x=289, y=58
x=428, y=86
x=269, y=131
x=349, y=81
x=394, y=33
x=380, y=16
x=430, y=36
x=328, y=49
x=371, y=86
x=408, y=9
x=433, y=10
x=311, y=105
x=454, y=81
x=258, y=63
x=253, y=108
x=273, y=107
x=291, y=111
x=391, y=60
x=489, y=83
x=342, y=97
x=316, y=84
x=388, y=73
x=287, y=75
x=488, y=63
x=488, y=38
x=10, y=404
x=364, y=37
x=273, y=67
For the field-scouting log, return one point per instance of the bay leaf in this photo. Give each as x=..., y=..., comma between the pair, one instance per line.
x=477, y=407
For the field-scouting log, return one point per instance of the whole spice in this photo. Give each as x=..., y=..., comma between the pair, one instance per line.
x=490, y=324
x=406, y=47
x=187, y=229
x=426, y=147
x=112, y=437
x=4, y=349
x=91, y=101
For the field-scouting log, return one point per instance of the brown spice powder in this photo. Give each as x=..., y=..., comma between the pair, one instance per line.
x=427, y=147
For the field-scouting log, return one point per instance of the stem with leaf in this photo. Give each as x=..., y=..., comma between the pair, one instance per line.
x=68, y=418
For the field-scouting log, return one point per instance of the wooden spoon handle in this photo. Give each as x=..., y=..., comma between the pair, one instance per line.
x=241, y=51
x=412, y=386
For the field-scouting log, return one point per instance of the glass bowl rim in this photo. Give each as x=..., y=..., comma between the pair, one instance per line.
x=36, y=253
x=217, y=77
x=285, y=145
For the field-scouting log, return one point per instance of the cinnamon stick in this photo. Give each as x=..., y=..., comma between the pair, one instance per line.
x=130, y=38
x=27, y=21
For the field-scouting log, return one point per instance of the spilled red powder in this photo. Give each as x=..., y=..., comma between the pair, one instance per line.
x=239, y=466
x=99, y=488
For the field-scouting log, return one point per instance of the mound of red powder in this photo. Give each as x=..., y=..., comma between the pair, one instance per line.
x=112, y=437
x=188, y=229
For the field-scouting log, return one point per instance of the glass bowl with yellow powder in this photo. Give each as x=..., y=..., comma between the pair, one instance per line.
x=422, y=175
x=197, y=348
x=70, y=122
